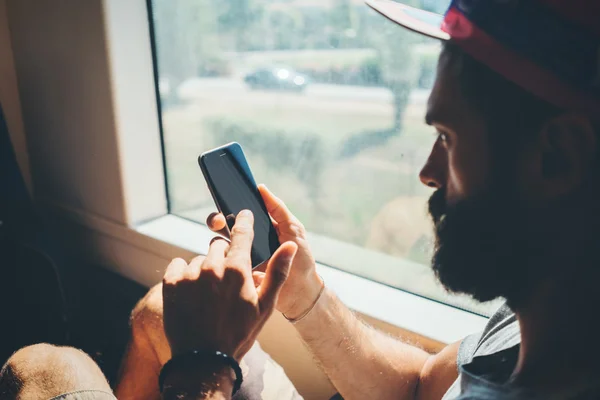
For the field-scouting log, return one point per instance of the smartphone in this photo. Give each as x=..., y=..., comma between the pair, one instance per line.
x=233, y=189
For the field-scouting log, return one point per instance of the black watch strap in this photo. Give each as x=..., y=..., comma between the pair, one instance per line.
x=194, y=358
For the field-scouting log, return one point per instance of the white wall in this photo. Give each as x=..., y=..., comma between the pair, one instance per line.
x=9, y=96
x=87, y=91
x=61, y=61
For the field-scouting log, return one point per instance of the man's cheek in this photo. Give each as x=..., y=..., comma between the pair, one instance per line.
x=466, y=177
x=455, y=189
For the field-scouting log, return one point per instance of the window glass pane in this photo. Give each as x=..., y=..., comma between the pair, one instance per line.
x=328, y=99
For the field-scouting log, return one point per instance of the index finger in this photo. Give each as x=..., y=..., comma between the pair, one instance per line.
x=242, y=235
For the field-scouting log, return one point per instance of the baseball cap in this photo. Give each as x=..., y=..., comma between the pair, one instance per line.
x=550, y=48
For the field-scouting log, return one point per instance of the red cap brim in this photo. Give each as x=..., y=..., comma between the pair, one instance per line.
x=415, y=19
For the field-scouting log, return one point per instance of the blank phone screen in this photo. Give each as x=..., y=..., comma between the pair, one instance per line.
x=234, y=189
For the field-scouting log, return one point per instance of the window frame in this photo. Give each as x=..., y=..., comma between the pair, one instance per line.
x=119, y=218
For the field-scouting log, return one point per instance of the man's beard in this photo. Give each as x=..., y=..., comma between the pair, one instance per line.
x=488, y=246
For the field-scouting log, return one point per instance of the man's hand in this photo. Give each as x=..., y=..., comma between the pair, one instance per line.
x=213, y=303
x=303, y=284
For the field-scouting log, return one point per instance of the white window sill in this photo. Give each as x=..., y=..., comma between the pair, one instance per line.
x=416, y=314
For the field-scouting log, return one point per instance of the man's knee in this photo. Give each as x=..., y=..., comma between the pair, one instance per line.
x=45, y=371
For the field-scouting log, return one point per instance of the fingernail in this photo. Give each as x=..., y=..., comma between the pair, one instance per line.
x=245, y=213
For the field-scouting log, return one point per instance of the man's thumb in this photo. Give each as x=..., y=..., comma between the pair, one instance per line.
x=276, y=274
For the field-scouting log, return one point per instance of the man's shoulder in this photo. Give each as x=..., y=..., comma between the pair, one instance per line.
x=500, y=333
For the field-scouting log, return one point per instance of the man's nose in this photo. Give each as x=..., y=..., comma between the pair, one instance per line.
x=432, y=174
x=428, y=178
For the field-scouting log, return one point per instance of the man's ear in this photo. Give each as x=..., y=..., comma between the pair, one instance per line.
x=568, y=149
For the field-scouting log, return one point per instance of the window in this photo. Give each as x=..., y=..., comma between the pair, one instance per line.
x=327, y=98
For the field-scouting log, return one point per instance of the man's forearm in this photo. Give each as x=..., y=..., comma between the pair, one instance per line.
x=360, y=361
x=138, y=378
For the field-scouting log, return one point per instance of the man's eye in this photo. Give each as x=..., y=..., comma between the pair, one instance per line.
x=442, y=137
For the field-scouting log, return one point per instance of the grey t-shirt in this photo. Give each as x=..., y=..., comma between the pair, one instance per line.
x=501, y=333
x=487, y=360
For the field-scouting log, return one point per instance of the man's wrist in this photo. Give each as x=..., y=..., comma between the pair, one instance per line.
x=202, y=362
x=199, y=381
x=306, y=298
